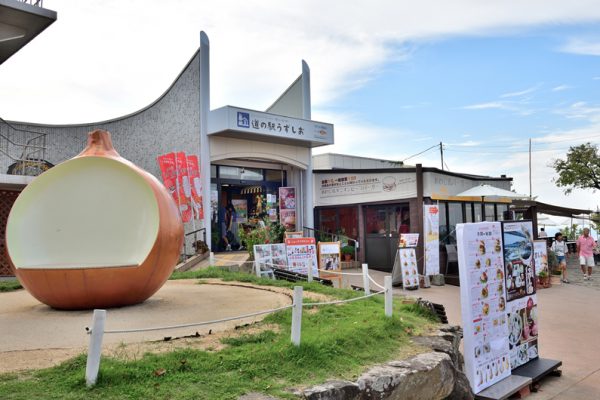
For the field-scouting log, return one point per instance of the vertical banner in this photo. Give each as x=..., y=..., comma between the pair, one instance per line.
x=431, y=232
x=184, y=188
x=287, y=207
x=540, y=254
x=483, y=303
x=168, y=169
x=196, y=183
x=301, y=255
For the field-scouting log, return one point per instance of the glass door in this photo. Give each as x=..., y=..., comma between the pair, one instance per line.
x=383, y=224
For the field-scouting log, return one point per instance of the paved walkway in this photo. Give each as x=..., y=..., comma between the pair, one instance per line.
x=569, y=319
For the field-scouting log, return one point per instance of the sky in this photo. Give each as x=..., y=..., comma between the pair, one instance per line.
x=394, y=77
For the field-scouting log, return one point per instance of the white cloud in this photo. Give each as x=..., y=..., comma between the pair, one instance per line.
x=520, y=93
x=588, y=47
x=560, y=88
x=489, y=105
x=105, y=59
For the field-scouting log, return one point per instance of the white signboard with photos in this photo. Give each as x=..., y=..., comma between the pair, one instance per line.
x=483, y=303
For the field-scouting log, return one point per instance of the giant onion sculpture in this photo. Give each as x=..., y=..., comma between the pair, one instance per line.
x=94, y=231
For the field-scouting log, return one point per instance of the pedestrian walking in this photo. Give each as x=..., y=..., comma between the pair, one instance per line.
x=585, y=251
x=559, y=247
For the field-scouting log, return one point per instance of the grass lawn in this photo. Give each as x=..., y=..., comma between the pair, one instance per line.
x=10, y=285
x=337, y=342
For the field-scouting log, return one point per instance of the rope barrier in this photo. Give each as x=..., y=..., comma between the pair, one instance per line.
x=327, y=303
x=216, y=321
x=375, y=283
x=340, y=272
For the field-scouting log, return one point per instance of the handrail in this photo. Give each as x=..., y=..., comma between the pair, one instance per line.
x=195, y=233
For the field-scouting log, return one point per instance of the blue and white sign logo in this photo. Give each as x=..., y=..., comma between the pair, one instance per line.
x=243, y=120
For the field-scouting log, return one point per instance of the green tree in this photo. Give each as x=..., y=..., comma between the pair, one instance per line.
x=581, y=169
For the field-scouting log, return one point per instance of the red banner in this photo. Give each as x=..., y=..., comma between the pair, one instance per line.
x=185, y=189
x=168, y=169
x=196, y=183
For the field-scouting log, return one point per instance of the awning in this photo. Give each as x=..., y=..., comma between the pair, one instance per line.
x=543, y=208
x=489, y=192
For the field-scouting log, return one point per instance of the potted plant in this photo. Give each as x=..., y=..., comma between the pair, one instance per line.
x=348, y=253
x=544, y=279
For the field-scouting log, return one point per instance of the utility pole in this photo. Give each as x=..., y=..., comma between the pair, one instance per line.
x=530, y=191
x=442, y=154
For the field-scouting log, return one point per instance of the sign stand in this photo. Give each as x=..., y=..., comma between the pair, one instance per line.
x=504, y=389
x=538, y=368
x=399, y=276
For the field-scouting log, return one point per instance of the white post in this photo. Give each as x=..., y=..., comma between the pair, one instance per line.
x=257, y=268
x=387, y=283
x=95, y=350
x=204, y=86
x=211, y=260
x=297, y=316
x=310, y=271
x=365, y=271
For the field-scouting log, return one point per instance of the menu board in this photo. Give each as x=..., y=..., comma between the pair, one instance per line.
x=523, y=330
x=518, y=259
x=540, y=256
x=329, y=260
x=408, y=266
x=483, y=303
x=408, y=240
x=287, y=207
x=301, y=255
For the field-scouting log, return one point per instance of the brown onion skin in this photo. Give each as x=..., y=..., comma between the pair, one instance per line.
x=87, y=288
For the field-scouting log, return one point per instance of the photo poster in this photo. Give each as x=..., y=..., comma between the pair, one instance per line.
x=431, y=231
x=287, y=207
x=301, y=255
x=330, y=260
x=279, y=255
x=241, y=210
x=540, y=256
x=263, y=256
x=196, y=183
x=483, y=303
x=408, y=267
x=522, y=319
x=408, y=240
x=272, y=213
x=519, y=264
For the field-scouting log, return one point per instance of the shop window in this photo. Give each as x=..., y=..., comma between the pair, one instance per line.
x=327, y=220
x=501, y=209
x=443, y=223
x=240, y=173
x=213, y=171
x=376, y=220
x=341, y=221
x=455, y=216
x=478, y=215
x=490, y=212
x=468, y=212
x=273, y=175
x=348, y=221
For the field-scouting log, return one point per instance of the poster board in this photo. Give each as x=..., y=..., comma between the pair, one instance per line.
x=408, y=240
x=523, y=330
x=263, y=256
x=431, y=233
x=287, y=207
x=483, y=303
x=540, y=256
x=301, y=255
x=279, y=255
x=519, y=264
x=405, y=271
x=330, y=260
x=241, y=210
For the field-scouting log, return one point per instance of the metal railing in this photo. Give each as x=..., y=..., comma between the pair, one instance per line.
x=332, y=237
x=30, y=157
x=36, y=3
x=195, y=234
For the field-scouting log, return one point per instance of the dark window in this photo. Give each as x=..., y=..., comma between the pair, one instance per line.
x=490, y=213
x=468, y=212
x=455, y=216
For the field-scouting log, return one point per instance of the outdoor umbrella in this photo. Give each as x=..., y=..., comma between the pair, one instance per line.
x=491, y=192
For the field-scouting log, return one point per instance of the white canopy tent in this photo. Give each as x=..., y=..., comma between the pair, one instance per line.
x=491, y=192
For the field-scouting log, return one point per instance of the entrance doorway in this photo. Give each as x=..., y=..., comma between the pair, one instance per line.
x=383, y=225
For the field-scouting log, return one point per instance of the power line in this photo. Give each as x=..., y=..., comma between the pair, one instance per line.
x=424, y=151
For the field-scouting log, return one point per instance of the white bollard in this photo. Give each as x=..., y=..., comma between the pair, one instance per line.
x=211, y=259
x=257, y=268
x=95, y=350
x=310, y=271
x=297, y=316
x=365, y=271
x=387, y=283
